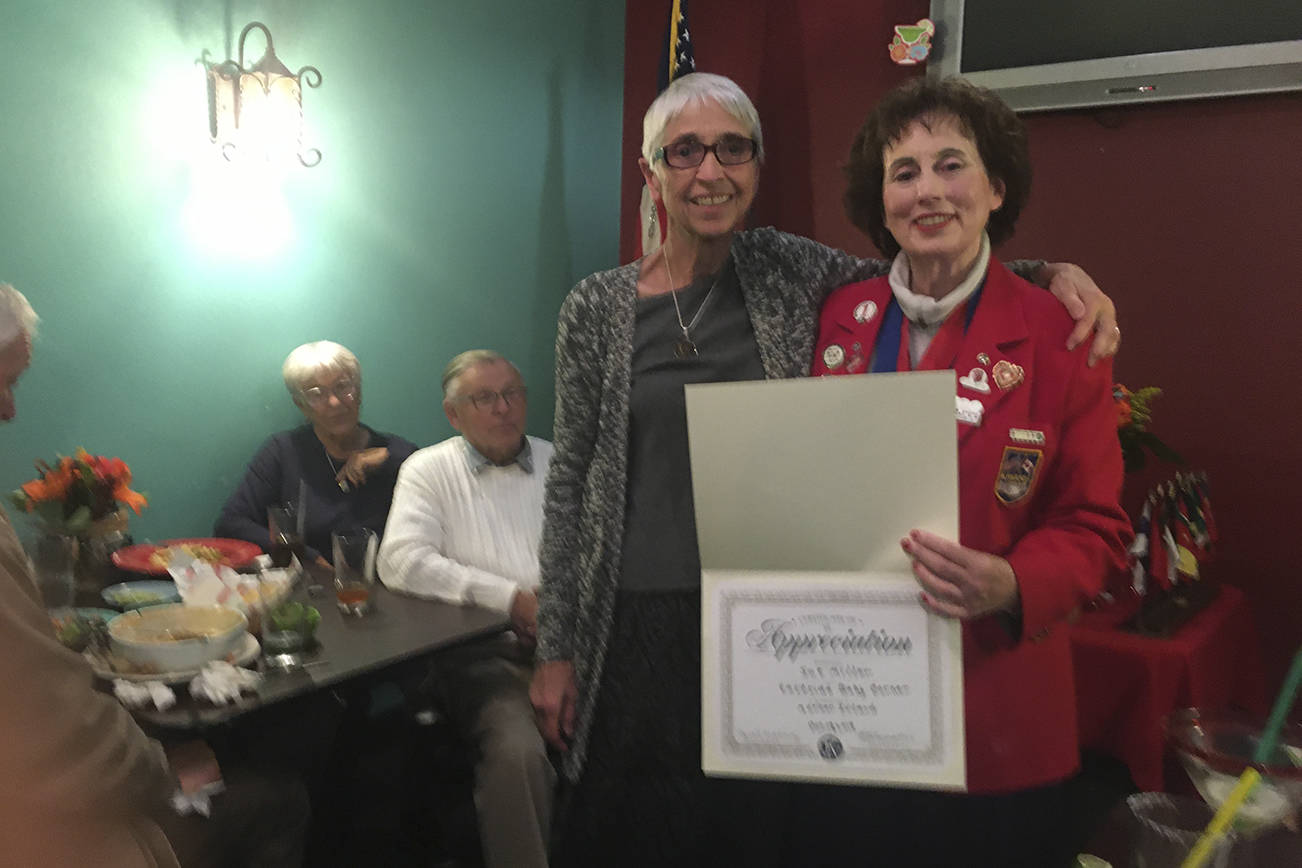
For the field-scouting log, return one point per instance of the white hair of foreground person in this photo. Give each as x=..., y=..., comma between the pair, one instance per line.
x=16, y=316
x=696, y=88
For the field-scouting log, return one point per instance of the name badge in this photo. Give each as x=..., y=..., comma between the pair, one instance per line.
x=1026, y=435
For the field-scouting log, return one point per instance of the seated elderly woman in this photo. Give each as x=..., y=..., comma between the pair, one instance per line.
x=343, y=470
x=938, y=174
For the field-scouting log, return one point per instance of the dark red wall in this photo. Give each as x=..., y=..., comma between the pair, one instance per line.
x=1188, y=214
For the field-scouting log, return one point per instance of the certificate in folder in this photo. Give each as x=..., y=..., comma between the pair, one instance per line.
x=819, y=662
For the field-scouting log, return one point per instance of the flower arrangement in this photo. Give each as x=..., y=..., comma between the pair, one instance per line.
x=75, y=492
x=1134, y=413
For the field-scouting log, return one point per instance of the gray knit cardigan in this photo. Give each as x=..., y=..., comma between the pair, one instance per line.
x=784, y=279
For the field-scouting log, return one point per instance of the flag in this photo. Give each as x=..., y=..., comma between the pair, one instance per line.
x=676, y=59
x=1205, y=507
x=1158, y=554
x=1139, y=549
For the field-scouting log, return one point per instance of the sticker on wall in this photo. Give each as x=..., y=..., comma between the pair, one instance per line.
x=912, y=42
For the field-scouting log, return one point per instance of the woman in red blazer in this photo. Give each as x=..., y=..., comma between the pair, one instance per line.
x=937, y=174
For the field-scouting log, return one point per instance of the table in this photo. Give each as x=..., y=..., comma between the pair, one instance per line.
x=400, y=628
x=1126, y=684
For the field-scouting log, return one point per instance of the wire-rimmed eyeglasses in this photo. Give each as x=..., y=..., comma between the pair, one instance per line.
x=344, y=390
x=487, y=400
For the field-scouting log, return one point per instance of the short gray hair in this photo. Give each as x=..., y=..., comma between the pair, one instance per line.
x=463, y=362
x=16, y=316
x=692, y=89
x=317, y=357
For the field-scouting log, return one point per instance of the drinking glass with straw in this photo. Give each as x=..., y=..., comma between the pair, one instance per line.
x=1265, y=749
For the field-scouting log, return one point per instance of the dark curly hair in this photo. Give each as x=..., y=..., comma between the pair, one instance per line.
x=998, y=133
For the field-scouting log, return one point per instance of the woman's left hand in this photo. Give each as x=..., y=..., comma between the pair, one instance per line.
x=959, y=582
x=360, y=463
x=1088, y=305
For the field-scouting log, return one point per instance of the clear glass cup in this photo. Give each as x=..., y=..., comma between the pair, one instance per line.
x=54, y=561
x=1164, y=828
x=286, y=536
x=285, y=525
x=354, y=559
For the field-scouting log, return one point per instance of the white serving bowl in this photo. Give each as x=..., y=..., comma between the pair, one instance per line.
x=177, y=637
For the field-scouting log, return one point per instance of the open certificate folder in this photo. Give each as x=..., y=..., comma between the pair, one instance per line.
x=819, y=663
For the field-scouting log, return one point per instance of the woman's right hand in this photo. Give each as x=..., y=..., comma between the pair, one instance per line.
x=554, y=695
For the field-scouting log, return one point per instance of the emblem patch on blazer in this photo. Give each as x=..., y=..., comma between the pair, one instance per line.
x=1016, y=473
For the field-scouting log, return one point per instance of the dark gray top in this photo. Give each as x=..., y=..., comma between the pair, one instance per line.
x=660, y=551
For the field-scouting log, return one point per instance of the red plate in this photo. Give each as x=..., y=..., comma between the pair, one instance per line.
x=235, y=553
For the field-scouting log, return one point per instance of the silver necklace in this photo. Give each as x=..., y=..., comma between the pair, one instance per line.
x=343, y=483
x=685, y=347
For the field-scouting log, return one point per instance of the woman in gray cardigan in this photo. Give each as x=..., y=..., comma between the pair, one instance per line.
x=617, y=686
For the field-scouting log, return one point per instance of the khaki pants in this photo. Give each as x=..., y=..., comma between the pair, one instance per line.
x=485, y=689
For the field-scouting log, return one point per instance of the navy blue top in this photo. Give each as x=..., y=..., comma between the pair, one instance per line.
x=272, y=478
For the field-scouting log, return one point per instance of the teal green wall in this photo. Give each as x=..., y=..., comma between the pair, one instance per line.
x=470, y=177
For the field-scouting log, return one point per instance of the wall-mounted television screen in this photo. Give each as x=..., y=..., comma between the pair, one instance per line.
x=1052, y=54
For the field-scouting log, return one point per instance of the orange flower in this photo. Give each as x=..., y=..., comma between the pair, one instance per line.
x=52, y=485
x=1125, y=411
x=78, y=484
x=134, y=499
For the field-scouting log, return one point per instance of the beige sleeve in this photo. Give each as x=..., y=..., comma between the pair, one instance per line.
x=64, y=746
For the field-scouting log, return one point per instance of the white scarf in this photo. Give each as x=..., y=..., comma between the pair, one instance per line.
x=925, y=313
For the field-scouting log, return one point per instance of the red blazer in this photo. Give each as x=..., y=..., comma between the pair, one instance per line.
x=1039, y=482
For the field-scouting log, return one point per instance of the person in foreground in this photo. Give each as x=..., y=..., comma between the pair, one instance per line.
x=937, y=175
x=343, y=470
x=464, y=528
x=618, y=682
x=80, y=783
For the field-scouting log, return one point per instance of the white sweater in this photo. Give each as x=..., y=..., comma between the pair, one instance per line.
x=465, y=536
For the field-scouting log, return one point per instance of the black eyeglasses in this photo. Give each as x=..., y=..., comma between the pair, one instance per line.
x=688, y=153
x=488, y=400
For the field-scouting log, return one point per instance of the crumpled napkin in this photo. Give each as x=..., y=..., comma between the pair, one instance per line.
x=135, y=694
x=199, y=584
x=220, y=682
x=198, y=802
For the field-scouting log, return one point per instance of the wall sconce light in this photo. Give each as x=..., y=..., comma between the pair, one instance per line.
x=257, y=112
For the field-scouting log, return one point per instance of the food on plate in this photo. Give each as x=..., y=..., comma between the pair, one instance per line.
x=161, y=559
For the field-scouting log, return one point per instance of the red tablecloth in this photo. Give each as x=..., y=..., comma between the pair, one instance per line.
x=1126, y=684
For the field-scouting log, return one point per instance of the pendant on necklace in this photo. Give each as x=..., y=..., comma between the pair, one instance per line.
x=685, y=349
x=343, y=485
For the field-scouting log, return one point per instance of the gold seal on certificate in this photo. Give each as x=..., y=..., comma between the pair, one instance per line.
x=819, y=662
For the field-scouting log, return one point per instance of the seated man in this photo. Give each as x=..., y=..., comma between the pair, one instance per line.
x=464, y=528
